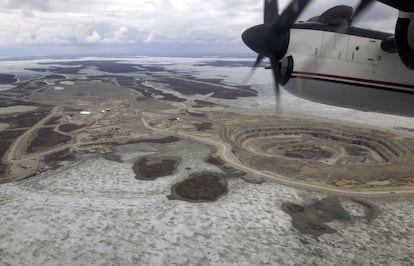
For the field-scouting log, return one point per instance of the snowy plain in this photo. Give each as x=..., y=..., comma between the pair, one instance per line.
x=93, y=211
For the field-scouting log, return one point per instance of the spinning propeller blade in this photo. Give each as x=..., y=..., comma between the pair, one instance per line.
x=291, y=14
x=362, y=6
x=276, y=78
x=271, y=11
x=256, y=65
x=271, y=39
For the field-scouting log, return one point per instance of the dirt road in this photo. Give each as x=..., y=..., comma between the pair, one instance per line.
x=224, y=150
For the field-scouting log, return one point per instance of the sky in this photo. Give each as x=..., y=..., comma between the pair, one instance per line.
x=145, y=27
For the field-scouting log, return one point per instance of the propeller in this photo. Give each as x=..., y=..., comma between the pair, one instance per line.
x=271, y=39
x=362, y=6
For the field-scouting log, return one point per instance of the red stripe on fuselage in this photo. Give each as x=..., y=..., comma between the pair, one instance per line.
x=351, y=79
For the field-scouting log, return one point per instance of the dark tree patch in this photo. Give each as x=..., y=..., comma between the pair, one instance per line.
x=165, y=140
x=203, y=126
x=307, y=220
x=69, y=127
x=27, y=119
x=54, y=120
x=199, y=187
x=311, y=219
x=53, y=160
x=47, y=138
x=153, y=168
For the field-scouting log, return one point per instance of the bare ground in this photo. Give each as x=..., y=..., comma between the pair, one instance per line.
x=301, y=150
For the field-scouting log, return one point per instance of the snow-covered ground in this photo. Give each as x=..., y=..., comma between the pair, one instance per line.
x=94, y=211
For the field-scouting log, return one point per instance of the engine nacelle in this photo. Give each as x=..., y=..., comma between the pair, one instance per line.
x=404, y=38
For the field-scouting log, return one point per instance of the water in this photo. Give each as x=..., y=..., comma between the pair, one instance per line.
x=261, y=81
x=94, y=210
x=17, y=109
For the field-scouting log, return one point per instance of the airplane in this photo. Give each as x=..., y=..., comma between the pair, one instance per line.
x=327, y=60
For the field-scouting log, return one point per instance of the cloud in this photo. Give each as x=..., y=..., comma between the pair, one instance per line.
x=32, y=4
x=119, y=22
x=77, y=34
x=26, y=7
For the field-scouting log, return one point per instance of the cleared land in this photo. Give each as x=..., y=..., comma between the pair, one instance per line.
x=95, y=115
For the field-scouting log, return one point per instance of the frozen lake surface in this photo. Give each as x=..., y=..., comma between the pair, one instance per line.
x=17, y=109
x=95, y=212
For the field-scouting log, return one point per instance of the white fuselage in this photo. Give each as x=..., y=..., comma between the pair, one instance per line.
x=349, y=70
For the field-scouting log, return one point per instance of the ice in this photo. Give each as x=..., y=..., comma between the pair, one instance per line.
x=95, y=212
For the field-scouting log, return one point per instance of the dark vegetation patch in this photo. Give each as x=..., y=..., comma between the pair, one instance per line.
x=307, y=220
x=54, y=76
x=14, y=102
x=72, y=109
x=203, y=126
x=141, y=98
x=214, y=160
x=52, y=160
x=230, y=172
x=7, y=137
x=7, y=78
x=153, y=168
x=26, y=88
x=332, y=208
x=311, y=219
x=109, y=66
x=189, y=87
x=199, y=187
x=46, y=138
x=186, y=87
x=22, y=120
x=201, y=104
x=69, y=127
x=169, y=139
x=127, y=81
x=105, y=143
x=3, y=169
x=54, y=120
x=146, y=90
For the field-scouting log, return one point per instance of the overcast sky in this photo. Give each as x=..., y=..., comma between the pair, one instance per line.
x=44, y=27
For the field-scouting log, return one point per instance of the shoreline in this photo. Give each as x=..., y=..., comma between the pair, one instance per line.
x=117, y=113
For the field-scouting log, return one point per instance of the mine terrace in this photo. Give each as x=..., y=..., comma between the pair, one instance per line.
x=70, y=117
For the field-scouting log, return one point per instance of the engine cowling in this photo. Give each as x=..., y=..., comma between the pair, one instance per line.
x=404, y=40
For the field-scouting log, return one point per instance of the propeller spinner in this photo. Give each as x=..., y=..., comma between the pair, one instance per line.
x=271, y=39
